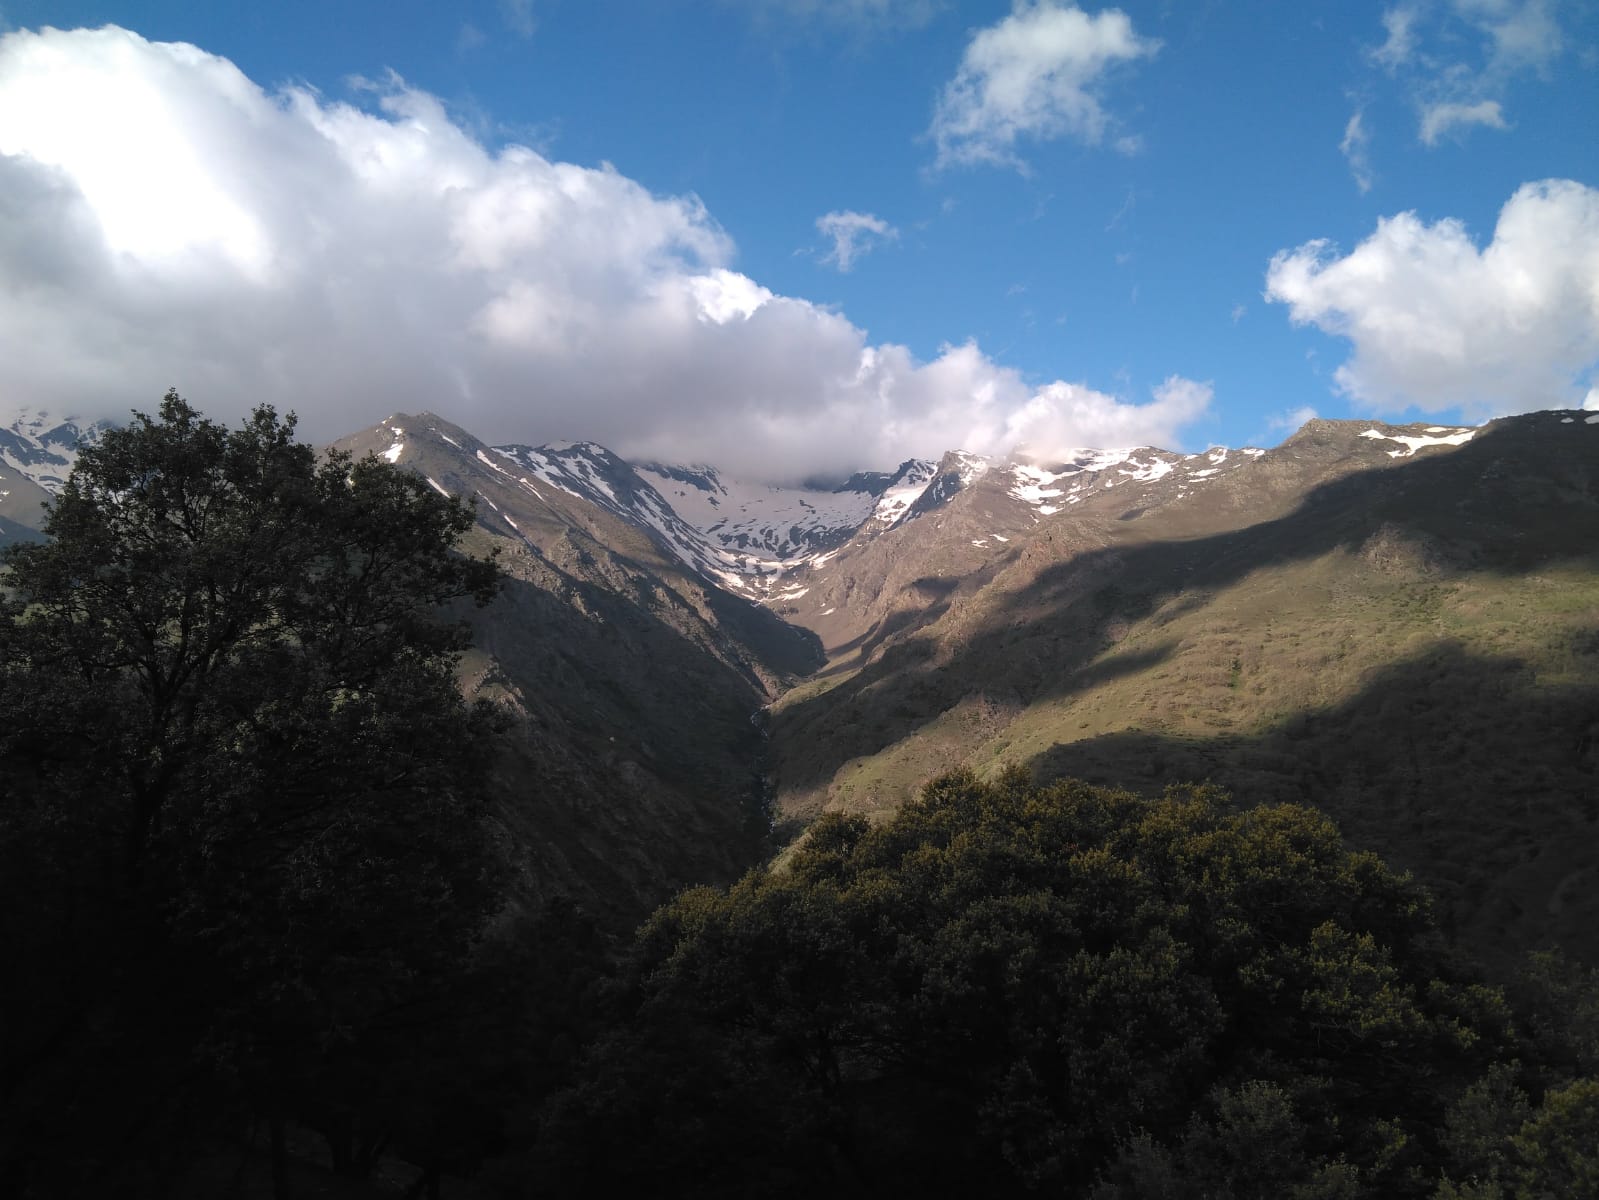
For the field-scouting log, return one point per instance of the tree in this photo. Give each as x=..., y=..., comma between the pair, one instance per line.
x=242, y=809
x=1009, y=988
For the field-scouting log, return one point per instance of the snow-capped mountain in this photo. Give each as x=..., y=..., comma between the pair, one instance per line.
x=752, y=539
x=591, y=472
x=788, y=525
x=37, y=451
x=766, y=542
x=43, y=448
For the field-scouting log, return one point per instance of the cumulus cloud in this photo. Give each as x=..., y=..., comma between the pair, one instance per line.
x=853, y=234
x=1459, y=59
x=165, y=221
x=1036, y=74
x=1435, y=323
x=1067, y=416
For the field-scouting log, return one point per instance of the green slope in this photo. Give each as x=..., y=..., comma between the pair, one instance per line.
x=1412, y=645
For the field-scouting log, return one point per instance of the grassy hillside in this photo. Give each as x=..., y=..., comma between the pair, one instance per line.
x=1412, y=645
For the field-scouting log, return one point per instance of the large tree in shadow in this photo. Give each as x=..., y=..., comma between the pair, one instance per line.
x=243, y=832
x=1009, y=989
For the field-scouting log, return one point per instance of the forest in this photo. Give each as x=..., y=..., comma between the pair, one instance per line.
x=268, y=930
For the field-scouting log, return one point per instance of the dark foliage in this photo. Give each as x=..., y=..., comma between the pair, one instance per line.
x=1010, y=988
x=244, y=848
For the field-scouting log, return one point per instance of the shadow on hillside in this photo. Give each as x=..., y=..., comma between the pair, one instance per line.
x=630, y=768
x=1509, y=502
x=866, y=644
x=1461, y=768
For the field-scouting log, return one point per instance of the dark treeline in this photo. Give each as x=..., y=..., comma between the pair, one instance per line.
x=261, y=934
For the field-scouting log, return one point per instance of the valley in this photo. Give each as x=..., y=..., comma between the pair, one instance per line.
x=785, y=825
x=1396, y=624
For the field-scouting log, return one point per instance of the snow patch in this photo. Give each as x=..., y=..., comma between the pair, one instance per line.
x=1411, y=444
x=1157, y=468
x=437, y=487
x=905, y=491
x=393, y=452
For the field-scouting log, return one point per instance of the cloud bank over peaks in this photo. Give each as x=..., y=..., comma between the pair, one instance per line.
x=165, y=221
x=1433, y=322
x=1036, y=74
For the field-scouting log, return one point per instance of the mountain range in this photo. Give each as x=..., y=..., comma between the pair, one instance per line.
x=1396, y=623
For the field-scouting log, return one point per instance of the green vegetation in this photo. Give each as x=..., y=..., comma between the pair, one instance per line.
x=283, y=914
x=245, y=859
x=1409, y=648
x=1010, y=988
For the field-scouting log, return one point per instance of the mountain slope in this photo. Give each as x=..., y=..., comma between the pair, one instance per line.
x=632, y=767
x=41, y=448
x=21, y=505
x=36, y=455
x=1397, y=624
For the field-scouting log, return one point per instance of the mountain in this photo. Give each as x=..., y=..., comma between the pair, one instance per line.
x=36, y=455
x=1396, y=624
x=21, y=505
x=752, y=539
x=41, y=448
x=634, y=761
x=774, y=529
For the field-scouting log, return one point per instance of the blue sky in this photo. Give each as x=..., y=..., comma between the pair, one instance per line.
x=832, y=233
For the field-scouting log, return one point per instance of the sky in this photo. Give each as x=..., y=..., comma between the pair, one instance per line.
x=795, y=238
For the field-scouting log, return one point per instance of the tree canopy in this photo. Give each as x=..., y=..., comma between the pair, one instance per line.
x=243, y=828
x=1009, y=988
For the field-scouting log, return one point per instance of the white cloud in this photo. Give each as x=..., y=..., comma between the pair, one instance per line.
x=1400, y=45
x=518, y=17
x=1356, y=149
x=1439, y=119
x=1036, y=74
x=1068, y=416
x=860, y=15
x=1523, y=33
x=854, y=234
x=1290, y=421
x=164, y=221
x=1458, y=59
x=1435, y=323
